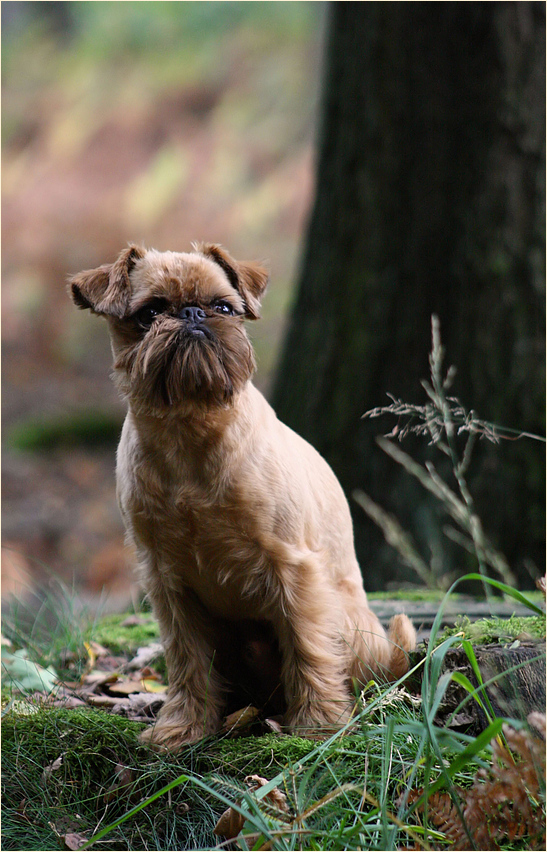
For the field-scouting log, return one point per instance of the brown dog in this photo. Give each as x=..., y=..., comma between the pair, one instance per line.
x=236, y=519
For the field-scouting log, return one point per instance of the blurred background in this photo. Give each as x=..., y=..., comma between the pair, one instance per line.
x=154, y=122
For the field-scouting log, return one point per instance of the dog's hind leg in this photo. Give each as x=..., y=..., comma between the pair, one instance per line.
x=314, y=658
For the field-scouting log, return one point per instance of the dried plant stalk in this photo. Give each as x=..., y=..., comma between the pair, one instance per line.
x=402, y=541
x=441, y=420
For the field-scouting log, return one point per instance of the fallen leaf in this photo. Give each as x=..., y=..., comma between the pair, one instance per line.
x=91, y=655
x=148, y=673
x=141, y=702
x=276, y=797
x=145, y=655
x=52, y=768
x=110, y=663
x=98, y=678
x=74, y=841
x=273, y=725
x=20, y=813
x=152, y=685
x=69, y=702
x=231, y=822
x=240, y=718
x=104, y=700
x=126, y=687
x=26, y=675
x=98, y=650
x=124, y=777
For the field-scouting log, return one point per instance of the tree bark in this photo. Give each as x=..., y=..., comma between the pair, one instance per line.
x=429, y=199
x=513, y=679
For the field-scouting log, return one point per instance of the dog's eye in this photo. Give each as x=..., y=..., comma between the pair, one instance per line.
x=146, y=315
x=222, y=307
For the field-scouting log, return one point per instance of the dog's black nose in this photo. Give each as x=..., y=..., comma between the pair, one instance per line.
x=193, y=315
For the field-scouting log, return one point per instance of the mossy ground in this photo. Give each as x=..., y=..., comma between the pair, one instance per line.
x=486, y=631
x=61, y=768
x=45, y=798
x=417, y=594
x=120, y=637
x=41, y=805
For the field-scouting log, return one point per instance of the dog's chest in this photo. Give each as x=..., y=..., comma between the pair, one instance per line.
x=198, y=537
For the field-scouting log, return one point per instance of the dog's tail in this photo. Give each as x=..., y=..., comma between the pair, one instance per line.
x=402, y=639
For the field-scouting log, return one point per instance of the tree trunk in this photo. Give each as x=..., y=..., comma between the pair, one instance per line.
x=430, y=199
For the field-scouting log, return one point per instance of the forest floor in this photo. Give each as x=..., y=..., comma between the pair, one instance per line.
x=72, y=765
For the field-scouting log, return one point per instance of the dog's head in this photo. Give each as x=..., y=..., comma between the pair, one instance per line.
x=176, y=322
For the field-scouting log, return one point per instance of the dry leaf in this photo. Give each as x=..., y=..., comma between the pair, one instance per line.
x=506, y=801
x=149, y=672
x=153, y=685
x=130, y=686
x=230, y=824
x=69, y=702
x=104, y=700
x=124, y=777
x=126, y=687
x=52, y=768
x=99, y=678
x=145, y=655
x=141, y=702
x=74, y=841
x=20, y=813
x=273, y=725
x=276, y=797
x=98, y=650
x=240, y=718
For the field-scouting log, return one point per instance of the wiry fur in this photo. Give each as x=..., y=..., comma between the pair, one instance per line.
x=236, y=519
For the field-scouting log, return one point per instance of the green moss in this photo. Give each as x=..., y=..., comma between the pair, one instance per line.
x=89, y=733
x=60, y=774
x=265, y=755
x=111, y=632
x=87, y=428
x=87, y=746
x=489, y=630
x=414, y=594
x=45, y=798
x=74, y=794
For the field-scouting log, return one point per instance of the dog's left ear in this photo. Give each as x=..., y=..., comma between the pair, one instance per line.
x=248, y=278
x=106, y=290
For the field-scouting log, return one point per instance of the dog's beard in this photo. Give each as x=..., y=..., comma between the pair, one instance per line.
x=172, y=365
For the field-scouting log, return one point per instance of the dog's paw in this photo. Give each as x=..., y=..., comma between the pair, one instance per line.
x=170, y=736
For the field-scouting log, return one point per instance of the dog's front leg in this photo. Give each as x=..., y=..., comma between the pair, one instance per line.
x=314, y=671
x=194, y=698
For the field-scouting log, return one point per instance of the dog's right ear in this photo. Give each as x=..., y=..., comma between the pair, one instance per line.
x=106, y=290
x=248, y=278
